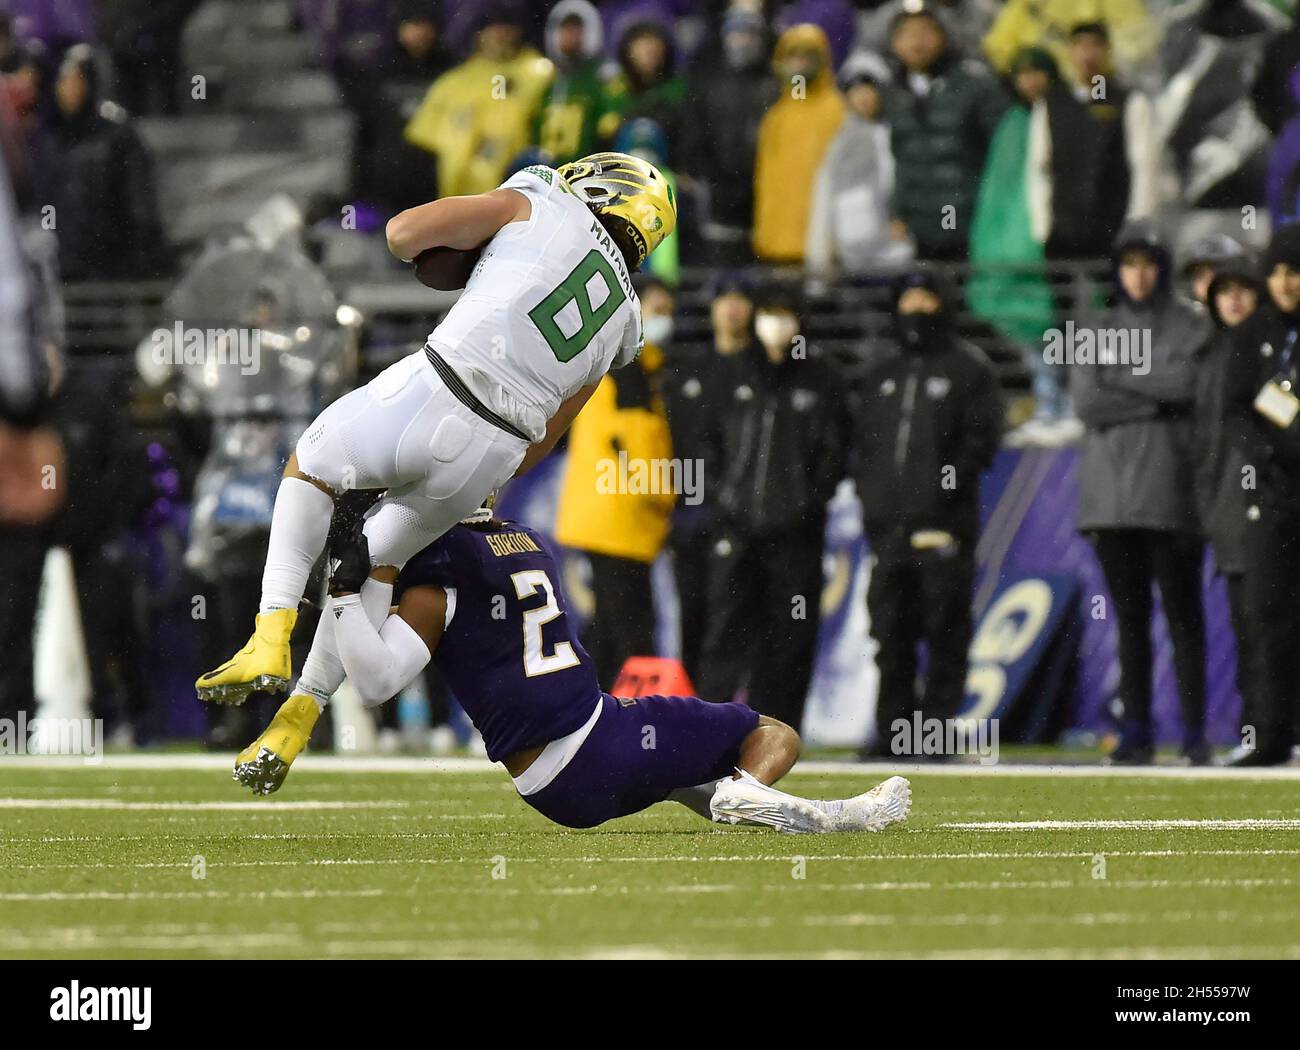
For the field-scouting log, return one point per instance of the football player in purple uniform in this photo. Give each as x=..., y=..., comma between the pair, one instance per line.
x=483, y=603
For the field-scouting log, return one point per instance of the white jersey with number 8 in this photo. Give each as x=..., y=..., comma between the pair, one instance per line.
x=548, y=309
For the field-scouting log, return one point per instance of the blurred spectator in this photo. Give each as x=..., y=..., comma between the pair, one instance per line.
x=31, y=346
x=1202, y=261
x=965, y=20
x=785, y=428
x=612, y=505
x=464, y=19
x=29, y=448
x=618, y=15
x=30, y=326
x=1092, y=154
x=728, y=94
x=1137, y=482
x=106, y=206
x=391, y=172
x=792, y=141
x=1271, y=92
x=26, y=86
x=647, y=84
x=836, y=18
x=693, y=391
x=942, y=112
x=1262, y=375
x=1208, y=57
x=853, y=196
x=108, y=488
x=144, y=39
x=644, y=138
x=420, y=49
x=1007, y=286
x=478, y=116
x=12, y=52
x=928, y=426
x=1232, y=294
x=574, y=103
x=1047, y=24
x=20, y=68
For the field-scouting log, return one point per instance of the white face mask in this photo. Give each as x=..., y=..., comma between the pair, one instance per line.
x=775, y=329
x=657, y=329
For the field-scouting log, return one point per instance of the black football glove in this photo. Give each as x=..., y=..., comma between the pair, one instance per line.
x=349, y=561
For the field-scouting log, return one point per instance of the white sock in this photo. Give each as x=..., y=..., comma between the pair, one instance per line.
x=322, y=672
x=300, y=525
x=696, y=798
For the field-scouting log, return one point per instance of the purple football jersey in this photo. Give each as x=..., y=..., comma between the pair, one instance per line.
x=511, y=654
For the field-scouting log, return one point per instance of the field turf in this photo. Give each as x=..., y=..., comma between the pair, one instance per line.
x=117, y=861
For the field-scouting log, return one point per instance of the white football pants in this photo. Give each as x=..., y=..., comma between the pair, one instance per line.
x=406, y=432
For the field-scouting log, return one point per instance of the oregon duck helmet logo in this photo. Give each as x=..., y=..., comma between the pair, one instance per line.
x=620, y=186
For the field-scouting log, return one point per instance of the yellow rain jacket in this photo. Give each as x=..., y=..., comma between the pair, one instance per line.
x=616, y=499
x=478, y=116
x=792, y=140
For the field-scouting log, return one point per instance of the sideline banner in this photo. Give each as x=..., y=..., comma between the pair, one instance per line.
x=1029, y=500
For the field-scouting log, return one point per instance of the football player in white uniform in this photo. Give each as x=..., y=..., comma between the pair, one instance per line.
x=547, y=311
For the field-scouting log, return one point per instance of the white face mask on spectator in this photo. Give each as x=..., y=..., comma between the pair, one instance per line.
x=742, y=50
x=775, y=330
x=657, y=329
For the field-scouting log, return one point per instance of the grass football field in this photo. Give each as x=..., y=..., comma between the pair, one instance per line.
x=167, y=858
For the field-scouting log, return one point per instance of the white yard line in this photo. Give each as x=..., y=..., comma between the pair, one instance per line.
x=1215, y=952
x=155, y=895
x=1018, y=918
x=411, y=764
x=236, y=807
x=208, y=760
x=1144, y=952
x=1245, y=824
x=774, y=858
x=669, y=888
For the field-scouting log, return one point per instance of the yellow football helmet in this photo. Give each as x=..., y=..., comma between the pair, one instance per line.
x=621, y=186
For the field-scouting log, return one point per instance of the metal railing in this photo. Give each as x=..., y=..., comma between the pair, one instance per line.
x=845, y=317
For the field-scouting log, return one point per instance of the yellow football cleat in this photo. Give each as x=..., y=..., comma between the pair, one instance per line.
x=265, y=663
x=263, y=764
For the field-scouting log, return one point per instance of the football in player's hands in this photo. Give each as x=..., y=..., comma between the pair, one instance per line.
x=446, y=269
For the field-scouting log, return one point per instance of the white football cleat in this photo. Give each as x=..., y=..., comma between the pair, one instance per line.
x=887, y=803
x=749, y=801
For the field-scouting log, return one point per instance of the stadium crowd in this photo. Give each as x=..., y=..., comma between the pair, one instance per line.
x=811, y=142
